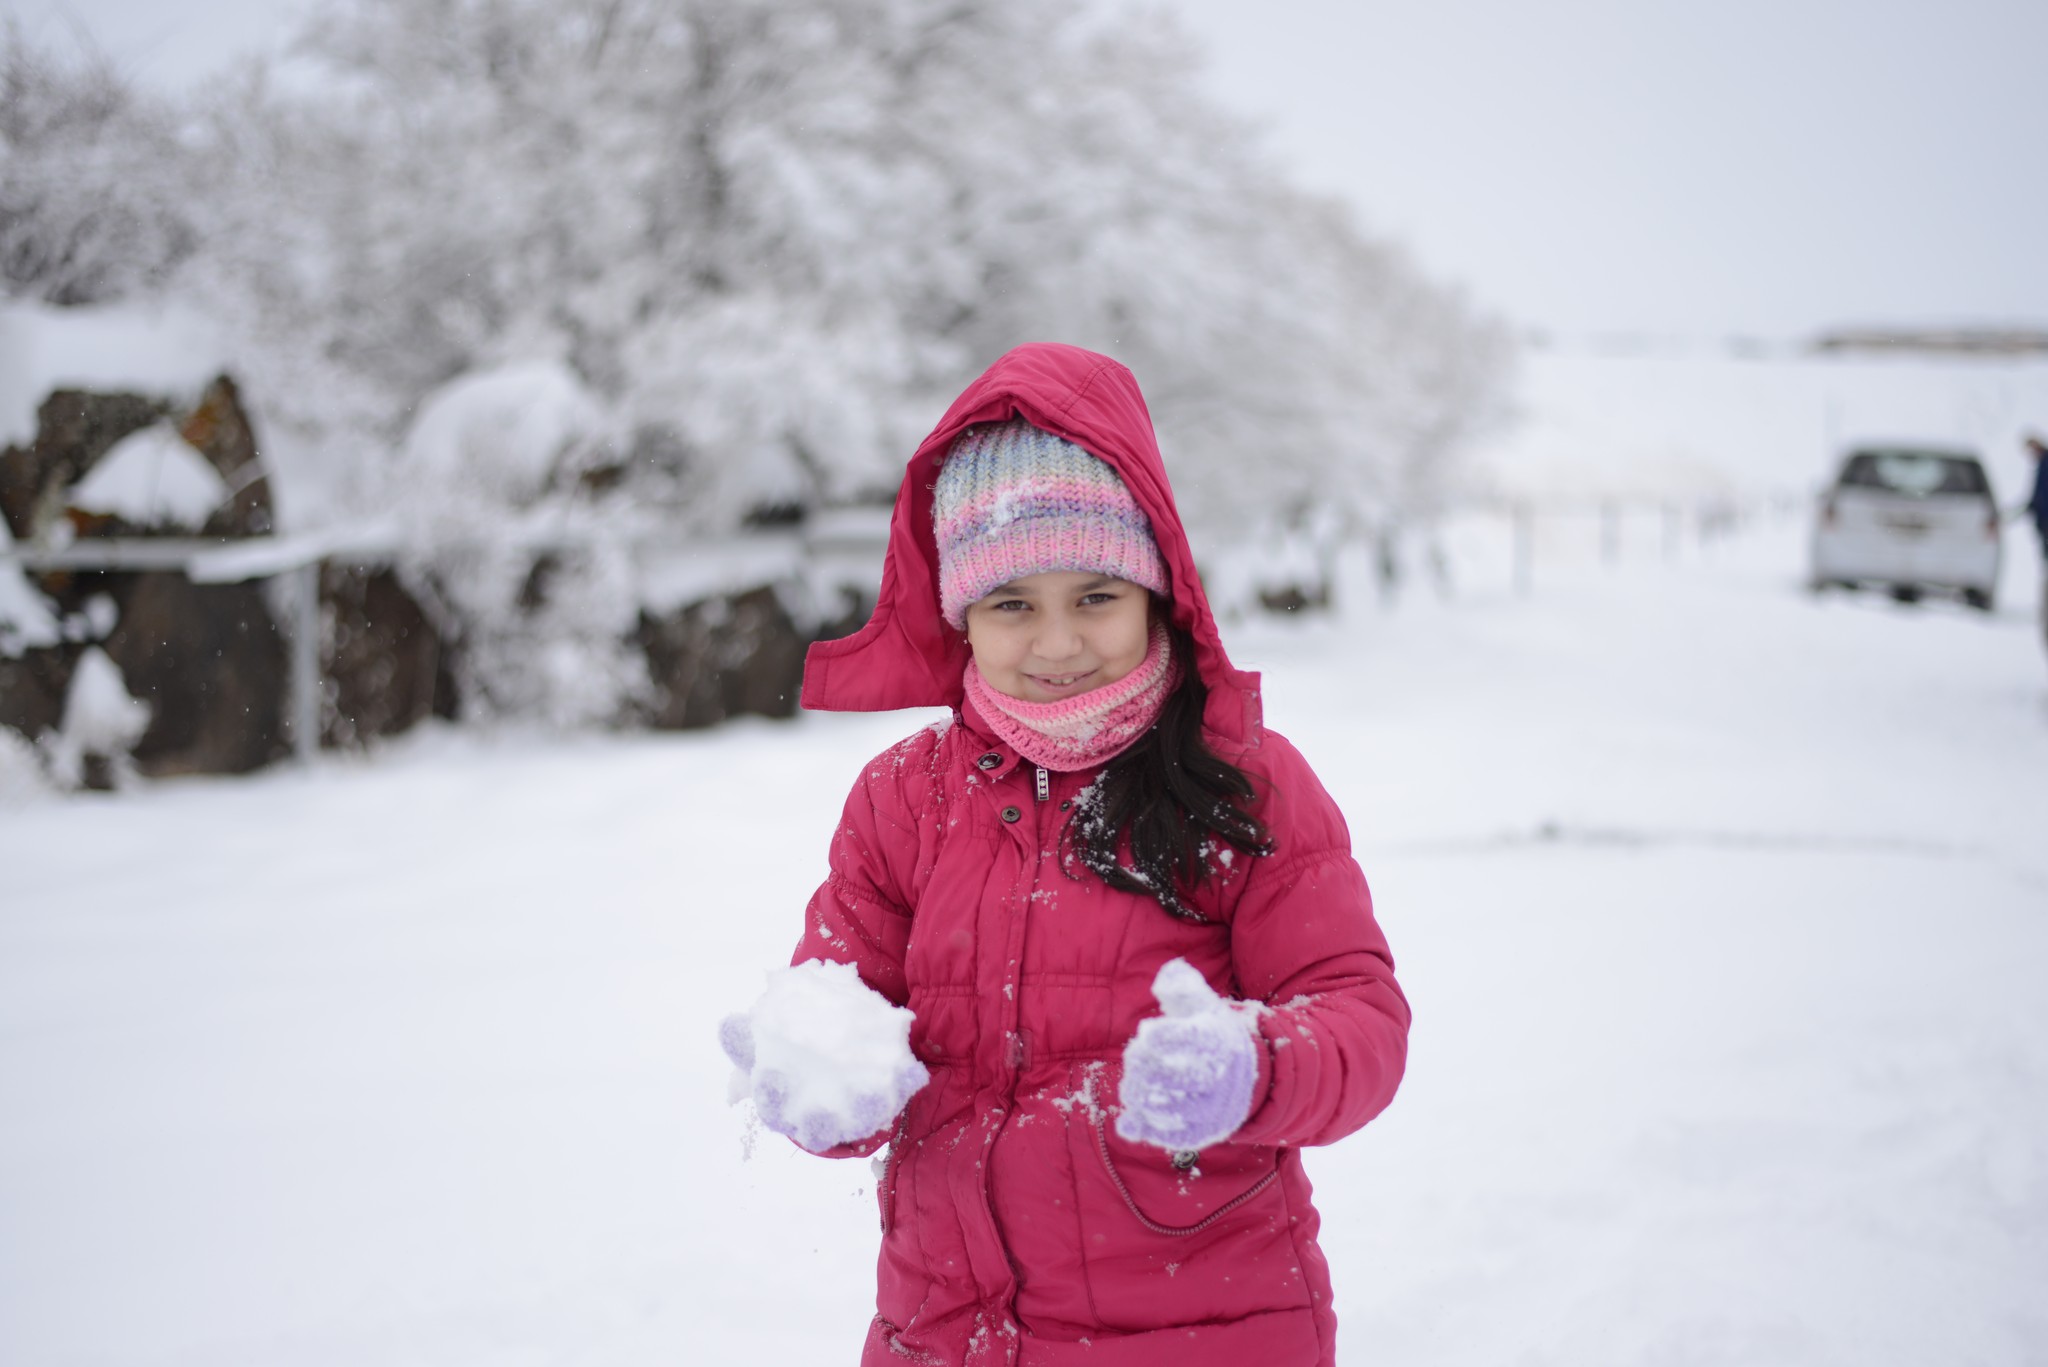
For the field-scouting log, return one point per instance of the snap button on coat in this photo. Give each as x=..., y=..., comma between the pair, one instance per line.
x=989, y=761
x=1011, y=813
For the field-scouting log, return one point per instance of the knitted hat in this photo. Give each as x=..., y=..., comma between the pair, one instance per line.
x=1013, y=500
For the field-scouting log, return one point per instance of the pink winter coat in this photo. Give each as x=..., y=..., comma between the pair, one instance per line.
x=1017, y=1226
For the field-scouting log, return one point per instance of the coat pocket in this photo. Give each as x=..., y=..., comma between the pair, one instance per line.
x=1181, y=1180
x=1166, y=1246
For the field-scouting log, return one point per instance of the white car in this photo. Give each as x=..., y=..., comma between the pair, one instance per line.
x=1912, y=520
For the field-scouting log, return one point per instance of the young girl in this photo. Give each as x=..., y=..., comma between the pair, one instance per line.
x=1142, y=962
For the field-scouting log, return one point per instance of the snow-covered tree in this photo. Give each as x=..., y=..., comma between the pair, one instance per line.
x=90, y=202
x=777, y=233
x=764, y=241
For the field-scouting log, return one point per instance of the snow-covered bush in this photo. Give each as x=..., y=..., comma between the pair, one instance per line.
x=539, y=593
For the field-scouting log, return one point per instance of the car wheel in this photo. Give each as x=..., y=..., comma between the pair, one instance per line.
x=1979, y=599
x=1905, y=593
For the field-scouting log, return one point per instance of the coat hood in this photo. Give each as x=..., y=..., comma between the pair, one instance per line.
x=907, y=656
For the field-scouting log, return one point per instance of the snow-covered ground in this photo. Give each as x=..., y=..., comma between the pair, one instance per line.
x=1722, y=909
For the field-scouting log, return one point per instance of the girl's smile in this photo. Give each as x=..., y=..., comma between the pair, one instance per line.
x=1058, y=634
x=1065, y=683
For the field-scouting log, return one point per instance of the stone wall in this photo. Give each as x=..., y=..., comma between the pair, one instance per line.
x=212, y=660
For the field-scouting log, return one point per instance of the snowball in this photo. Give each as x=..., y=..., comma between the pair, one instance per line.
x=830, y=1057
x=152, y=478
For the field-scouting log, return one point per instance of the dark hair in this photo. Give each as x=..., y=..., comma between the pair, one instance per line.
x=1170, y=801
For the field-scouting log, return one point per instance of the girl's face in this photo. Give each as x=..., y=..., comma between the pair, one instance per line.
x=1050, y=636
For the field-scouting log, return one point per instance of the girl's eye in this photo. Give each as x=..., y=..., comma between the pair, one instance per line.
x=1097, y=599
x=1010, y=605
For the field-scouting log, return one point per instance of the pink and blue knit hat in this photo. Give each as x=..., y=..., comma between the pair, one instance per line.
x=1013, y=500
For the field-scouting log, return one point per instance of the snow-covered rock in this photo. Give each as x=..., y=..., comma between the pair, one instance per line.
x=211, y=661
x=138, y=348
x=152, y=478
x=25, y=619
x=671, y=578
x=723, y=657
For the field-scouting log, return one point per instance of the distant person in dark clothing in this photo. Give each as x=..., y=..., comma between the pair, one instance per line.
x=2037, y=505
x=2037, y=508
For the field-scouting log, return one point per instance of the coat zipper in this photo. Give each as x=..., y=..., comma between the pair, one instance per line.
x=1017, y=1057
x=887, y=1189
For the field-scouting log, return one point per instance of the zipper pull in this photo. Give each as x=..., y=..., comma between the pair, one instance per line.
x=1044, y=784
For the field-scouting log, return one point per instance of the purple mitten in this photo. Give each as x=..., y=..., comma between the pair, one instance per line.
x=736, y=1037
x=1188, y=1074
x=820, y=1128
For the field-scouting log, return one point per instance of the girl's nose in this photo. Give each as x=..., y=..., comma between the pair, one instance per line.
x=1057, y=640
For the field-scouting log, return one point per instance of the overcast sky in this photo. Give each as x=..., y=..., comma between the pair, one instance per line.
x=1585, y=166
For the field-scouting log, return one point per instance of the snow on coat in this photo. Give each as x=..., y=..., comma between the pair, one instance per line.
x=1018, y=1226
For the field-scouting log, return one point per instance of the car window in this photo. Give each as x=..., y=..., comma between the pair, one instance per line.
x=1916, y=473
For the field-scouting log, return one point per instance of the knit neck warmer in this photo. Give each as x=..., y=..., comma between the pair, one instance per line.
x=1089, y=728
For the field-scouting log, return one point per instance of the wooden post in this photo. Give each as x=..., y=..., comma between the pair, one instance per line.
x=305, y=679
